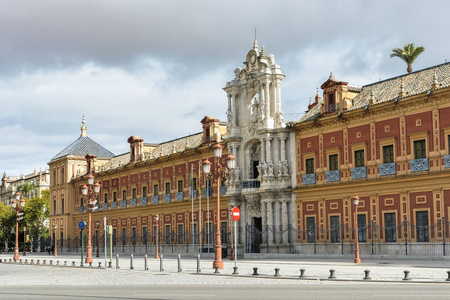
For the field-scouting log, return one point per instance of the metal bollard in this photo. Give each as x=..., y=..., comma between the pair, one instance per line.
x=32, y=261
x=109, y=264
x=198, y=263
x=51, y=263
x=81, y=264
x=367, y=277
x=26, y=261
x=332, y=274
x=100, y=264
x=302, y=273
x=161, y=262
x=406, y=275
x=57, y=262
x=117, y=261
x=216, y=270
x=235, y=272
x=131, y=262
x=43, y=262
x=90, y=264
x=10, y=260
x=73, y=263
x=20, y=261
x=277, y=272
x=145, y=263
x=65, y=263
x=255, y=272
x=37, y=261
x=448, y=278
x=179, y=263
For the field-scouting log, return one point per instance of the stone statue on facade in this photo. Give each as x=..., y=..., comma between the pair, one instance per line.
x=285, y=167
x=260, y=169
x=270, y=168
x=236, y=173
x=229, y=118
x=264, y=167
x=280, y=168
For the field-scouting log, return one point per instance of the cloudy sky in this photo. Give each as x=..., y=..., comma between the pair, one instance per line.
x=156, y=68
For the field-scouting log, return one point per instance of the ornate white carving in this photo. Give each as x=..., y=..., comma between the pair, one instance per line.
x=270, y=168
x=285, y=167
x=254, y=208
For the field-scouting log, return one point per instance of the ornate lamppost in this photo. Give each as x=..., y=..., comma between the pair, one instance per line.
x=56, y=240
x=18, y=209
x=157, y=235
x=219, y=173
x=357, y=260
x=91, y=191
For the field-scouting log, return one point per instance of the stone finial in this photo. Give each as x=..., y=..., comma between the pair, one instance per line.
x=310, y=101
x=173, y=148
x=83, y=127
x=255, y=43
x=435, y=80
x=318, y=98
x=402, y=88
x=263, y=52
x=372, y=97
x=331, y=76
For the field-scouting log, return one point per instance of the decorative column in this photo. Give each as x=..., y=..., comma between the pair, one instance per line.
x=264, y=220
x=284, y=221
x=269, y=221
x=277, y=227
x=283, y=148
x=263, y=152
x=268, y=100
x=268, y=146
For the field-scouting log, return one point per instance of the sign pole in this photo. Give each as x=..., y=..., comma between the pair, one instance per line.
x=104, y=226
x=235, y=244
x=82, y=244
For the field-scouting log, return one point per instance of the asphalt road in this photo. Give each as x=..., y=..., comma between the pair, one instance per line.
x=324, y=290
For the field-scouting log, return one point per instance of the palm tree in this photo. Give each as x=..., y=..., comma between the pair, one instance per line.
x=409, y=54
x=26, y=188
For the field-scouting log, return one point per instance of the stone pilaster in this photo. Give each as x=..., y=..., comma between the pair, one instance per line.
x=284, y=221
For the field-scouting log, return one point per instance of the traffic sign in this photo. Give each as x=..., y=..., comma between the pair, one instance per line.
x=82, y=224
x=236, y=213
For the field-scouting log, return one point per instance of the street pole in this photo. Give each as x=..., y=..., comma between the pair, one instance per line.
x=357, y=260
x=24, y=240
x=235, y=243
x=82, y=244
x=104, y=225
x=56, y=241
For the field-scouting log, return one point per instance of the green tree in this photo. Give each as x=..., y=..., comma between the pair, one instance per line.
x=408, y=54
x=26, y=188
x=7, y=222
x=36, y=213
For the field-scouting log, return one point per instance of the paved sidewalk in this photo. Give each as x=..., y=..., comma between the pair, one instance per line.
x=316, y=270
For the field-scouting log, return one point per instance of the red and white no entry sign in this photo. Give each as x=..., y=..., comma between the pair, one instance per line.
x=236, y=213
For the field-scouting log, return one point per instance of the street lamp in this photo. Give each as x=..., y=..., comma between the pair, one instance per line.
x=56, y=241
x=219, y=173
x=18, y=209
x=357, y=260
x=96, y=238
x=91, y=191
x=157, y=235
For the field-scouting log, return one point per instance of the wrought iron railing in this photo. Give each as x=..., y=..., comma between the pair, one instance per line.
x=419, y=165
x=179, y=196
x=133, y=202
x=251, y=184
x=309, y=179
x=166, y=198
x=155, y=199
x=447, y=161
x=333, y=176
x=388, y=169
x=123, y=203
x=359, y=173
x=144, y=201
x=105, y=206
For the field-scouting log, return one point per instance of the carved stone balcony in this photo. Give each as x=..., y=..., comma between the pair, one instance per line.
x=419, y=165
x=359, y=173
x=166, y=198
x=81, y=209
x=333, y=176
x=251, y=184
x=105, y=206
x=207, y=192
x=113, y=205
x=144, y=201
x=447, y=161
x=179, y=196
x=155, y=199
x=123, y=203
x=133, y=202
x=223, y=189
x=309, y=179
x=388, y=169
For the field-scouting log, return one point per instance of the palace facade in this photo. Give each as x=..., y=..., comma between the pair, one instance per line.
x=8, y=188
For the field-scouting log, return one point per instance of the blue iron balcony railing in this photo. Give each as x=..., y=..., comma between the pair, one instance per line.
x=419, y=165
x=359, y=173
x=123, y=203
x=207, y=192
x=144, y=201
x=388, y=169
x=113, y=205
x=223, y=189
x=105, y=206
x=155, y=199
x=133, y=202
x=447, y=161
x=333, y=176
x=309, y=179
x=166, y=198
x=179, y=196
x=81, y=209
x=251, y=184
x=193, y=194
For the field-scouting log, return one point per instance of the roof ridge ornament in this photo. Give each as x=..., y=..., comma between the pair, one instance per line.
x=435, y=80
x=255, y=43
x=83, y=127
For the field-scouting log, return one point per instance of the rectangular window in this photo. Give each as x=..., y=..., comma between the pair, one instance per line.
x=309, y=166
x=134, y=235
x=390, y=227
x=334, y=229
x=81, y=202
x=155, y=234
x=54, y=207
x=333, y=162
x=311, y=228
x=115, y=196
x=362, y=228
x=155, y=190
x=106, y=198
x=62, y=206
x=420, y=150
x=167, y=187
x=180, y=233
x=194, y=234
x=180, y=186
x=124, y=236
x=124, y=195
x=61, y=239
x=168, y=234
x=331, y=102
x=224, y=231
x=422, y=227
x=359, y=158
x=388, y=154
x=134, y=193
x=144, y=191
x=114, y=237
x=144, y=235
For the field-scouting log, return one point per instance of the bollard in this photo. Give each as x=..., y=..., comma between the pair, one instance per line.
x=332, y=274
x=37, y=261
x=255, y=272
x=100, y=264
x=367, y=277
x=216, y=270
x=145, y=263
x=235, y=272
x=57, y=262
x=302, y=273
x=51, y=263
x=448, y=278
x=26, y=261
x=65, y=263
x=73, y=263
x=277, y=272
x=20, y=261
x=131, y=262
x=90, y=264
x=179, y=263
x=43, y=262
x=81, y=264
x=10, y=260
x=198, y=263
x=109, y=264
x=161, y=261
x=406, y=275
x=31, y=261
x=117, y=261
